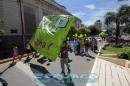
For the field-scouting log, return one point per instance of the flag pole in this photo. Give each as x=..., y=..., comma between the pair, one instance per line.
x=21, y=21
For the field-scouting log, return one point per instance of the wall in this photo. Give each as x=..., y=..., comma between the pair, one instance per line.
x=11, y=17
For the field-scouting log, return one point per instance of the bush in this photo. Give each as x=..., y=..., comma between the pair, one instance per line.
x=122, y=55
x=125, y=54
x=105, y=46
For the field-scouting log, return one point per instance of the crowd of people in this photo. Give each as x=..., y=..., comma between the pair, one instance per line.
x=80, y=46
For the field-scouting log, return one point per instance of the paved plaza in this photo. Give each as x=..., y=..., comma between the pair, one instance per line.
x=32, y=73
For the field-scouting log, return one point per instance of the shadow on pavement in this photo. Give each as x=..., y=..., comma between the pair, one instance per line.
x=2, y=81
x=42, y=60
x=35, y=55
x=43, y=76
x=27, y=60
x=10, y=65
x=90, y=56
x=68, y=80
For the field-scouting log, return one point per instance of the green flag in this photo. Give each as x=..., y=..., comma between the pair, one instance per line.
x=50, y=34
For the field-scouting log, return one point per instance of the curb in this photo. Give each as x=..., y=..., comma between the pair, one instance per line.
x=94, y=66
x=10, y=59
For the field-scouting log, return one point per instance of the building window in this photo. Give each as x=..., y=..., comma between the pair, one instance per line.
x=13, y=31
x=29, y=20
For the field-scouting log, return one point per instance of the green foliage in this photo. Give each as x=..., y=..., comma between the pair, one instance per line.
x=77, y=32
x=112, y=49
x=124, y=54
x=93, y=30
x=124, y=13
x=72, y=31
x=118, y=18
x=122, y=16
x=102, y=34
x=110, y=17
x=83, y=31
x=88, y=30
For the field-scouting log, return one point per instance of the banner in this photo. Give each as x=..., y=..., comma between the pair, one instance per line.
x=50, y=34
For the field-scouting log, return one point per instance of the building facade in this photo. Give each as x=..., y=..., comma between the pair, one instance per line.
x=19, y=19
x=22, y=16
x=77, y=23
x=98, y=24
x=32, y=12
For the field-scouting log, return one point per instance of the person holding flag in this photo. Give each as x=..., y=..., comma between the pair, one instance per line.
x=64, y=58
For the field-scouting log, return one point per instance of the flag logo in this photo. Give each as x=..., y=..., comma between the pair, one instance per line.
x=54, y=23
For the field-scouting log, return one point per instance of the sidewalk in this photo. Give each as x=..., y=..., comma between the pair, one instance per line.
x=110, y=74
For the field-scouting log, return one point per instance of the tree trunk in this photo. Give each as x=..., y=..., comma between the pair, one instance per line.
x=117, y=33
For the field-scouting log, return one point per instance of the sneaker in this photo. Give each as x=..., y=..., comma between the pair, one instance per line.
x=69, y=70
x=63, y=73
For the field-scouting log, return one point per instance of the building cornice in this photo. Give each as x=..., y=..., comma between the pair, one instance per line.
x=53, y=4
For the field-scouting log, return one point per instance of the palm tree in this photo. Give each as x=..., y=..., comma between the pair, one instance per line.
x=124, y=13
x=110, y=17
x=110, y=20
x=122, y=19
x=114, y=18
x=119, y=18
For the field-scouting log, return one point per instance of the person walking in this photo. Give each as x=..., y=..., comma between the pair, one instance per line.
x=78, y=46
x=28, y=51
x=64, y=58
x=94, y=44
x=15, y=53
x=87, y=45
x=82, y=47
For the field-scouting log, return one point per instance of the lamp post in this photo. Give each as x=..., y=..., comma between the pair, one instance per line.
x=21, y=21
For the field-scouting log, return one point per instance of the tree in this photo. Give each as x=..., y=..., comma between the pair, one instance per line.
x=88, y=31
x=102, y=34
x=93, y=30
x=110, y=17
x=83, y=31
x=119, y=18
x=72, y=31
x=124, y=13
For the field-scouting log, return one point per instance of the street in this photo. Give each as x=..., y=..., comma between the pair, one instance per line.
x=21, y=73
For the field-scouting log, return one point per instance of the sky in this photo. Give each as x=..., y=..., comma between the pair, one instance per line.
x=91, y=10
